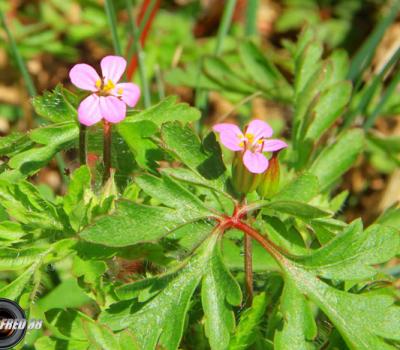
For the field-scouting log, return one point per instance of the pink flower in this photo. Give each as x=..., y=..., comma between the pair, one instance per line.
x=109, y=98
x=252, y=143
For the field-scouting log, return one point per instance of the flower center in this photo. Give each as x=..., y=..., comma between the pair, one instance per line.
x=247, y=142
x=249, y=137
x=105, y=87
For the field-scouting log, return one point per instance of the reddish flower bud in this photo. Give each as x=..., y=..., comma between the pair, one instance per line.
x=269, y=182
x=243, y=180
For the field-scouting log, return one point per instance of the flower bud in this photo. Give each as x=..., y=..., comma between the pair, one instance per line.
x=269, y=182
x=242, y=179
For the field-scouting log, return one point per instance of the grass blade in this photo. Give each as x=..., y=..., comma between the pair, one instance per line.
x=140, y=55
x=110, y=12
x=251, y=18
x=370, y=90
x=224, y=26
x=29, y=84
x=388, y=92
x=18, y=58
x=365, y=54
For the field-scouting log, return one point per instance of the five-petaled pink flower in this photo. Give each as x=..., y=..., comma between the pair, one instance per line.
x=252, y=143
x=109, y=98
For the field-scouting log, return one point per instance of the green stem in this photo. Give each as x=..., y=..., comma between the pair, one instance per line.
x=106, y=150
x=82, y=144
x=112, y=21
x=140, y=54
x=18, y=58
x=160, y=83
x=251, y=17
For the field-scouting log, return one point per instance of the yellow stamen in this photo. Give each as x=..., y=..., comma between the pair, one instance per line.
x=98, y=83
x=241, y=144
x=109, y=86
x=260, y=141
x=120, y=91
x=249, y=137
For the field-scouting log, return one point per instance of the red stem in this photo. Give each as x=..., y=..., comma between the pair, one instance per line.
x=248, y=268
x=143, y=36
x=106, y=150
x=267, y=244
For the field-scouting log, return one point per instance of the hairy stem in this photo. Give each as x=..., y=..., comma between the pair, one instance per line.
x=82, y=144
x=268, y=245
x=248, y=268
x=106, y=150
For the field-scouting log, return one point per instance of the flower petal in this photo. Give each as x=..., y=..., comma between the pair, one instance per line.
x=224, y=127
x=129, y=92
x=89, y=110
x=255, y=162
x=84, y=77
x=230, y=135
x=112, y=68
x=112, y=109
x=273, y=145
x=259, y=129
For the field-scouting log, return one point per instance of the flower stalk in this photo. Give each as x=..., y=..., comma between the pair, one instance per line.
x=248, y=269
x=107, y=129
x=82, y=144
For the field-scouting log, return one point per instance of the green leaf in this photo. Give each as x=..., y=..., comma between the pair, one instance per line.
x=264, y=73
x=15, y=259
x=160, y=319
x=364, y=320
x=137, y=136
x=14, y=143
x=299, y=327
x=341, y=64
x=25, y=204
x=337, y=158
x=329, y=106
x=301, y=189
x=307, y=97
x=172, y=194
x=204, y=158
x=55, y=138
x=298, y=209
x=54, y=106
x=56, y=298
x=307, y=64
x=132, y=224
x=350, y=254
x=67, y=324
x=91, y=270
x=75, y=201
x=391, y=218
x=190, y=76
x=50, y=343
x=55, y=134
x=216, y=69
x=11, y=231
x=127, y=340
x=14, y=289
x=101, y=337
x=246, y=330
x=165, y=111
x=219, y=291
